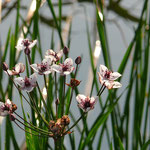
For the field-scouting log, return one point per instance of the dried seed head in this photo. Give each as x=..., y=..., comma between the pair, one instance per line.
x=5, y=66
x=78, y=60
x=51, y=124
x=65, y=50
x=65, y=120
x=73, y=83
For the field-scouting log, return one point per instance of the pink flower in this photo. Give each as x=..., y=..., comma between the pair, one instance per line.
x=53, y=55
x=26, y=45
x=86, y=103
x=65, y=68
x=6, y=108
x=107, y=77
x=26, y=83
x=44, y=67
x=19, y=68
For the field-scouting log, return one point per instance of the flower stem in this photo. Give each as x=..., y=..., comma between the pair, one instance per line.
x=31, y=124
x=67, y=111
x=44, y=135
x=63, y=98
x=76, y=122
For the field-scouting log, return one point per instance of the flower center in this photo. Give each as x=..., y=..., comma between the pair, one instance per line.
x=27, y=82
x=65, y=68
x=43, y=67
x=107, y=74
x=26, y=43
x=87, y=104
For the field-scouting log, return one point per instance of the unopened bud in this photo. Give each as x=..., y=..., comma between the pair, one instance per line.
x=12, y=117
x=65, y=50
x=78, y=60
x=5, y=66
x=57, y=101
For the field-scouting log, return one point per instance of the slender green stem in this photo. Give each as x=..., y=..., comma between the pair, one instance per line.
x=46, y=134
x=56, y=85
x=76, y=122
x=63, y=99
x=44, y=131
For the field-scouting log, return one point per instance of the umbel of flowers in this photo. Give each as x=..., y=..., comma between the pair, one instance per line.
x=53, y=63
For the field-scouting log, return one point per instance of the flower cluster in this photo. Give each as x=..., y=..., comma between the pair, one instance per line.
x=58, y=128
x=51, y=63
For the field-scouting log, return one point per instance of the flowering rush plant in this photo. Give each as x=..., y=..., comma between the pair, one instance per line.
x=51, y=104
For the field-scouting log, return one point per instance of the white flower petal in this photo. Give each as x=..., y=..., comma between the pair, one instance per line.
x=33, y=79
x=80, y=98
x=50, y=52
x=57, y=68
x=33, y=43
x=68, y=62
x=20, y=45
x=103, y=69
x=19, y=68
x=59, y=54
x=47, y=61
x=19, y=81
x=10, y=72
x=114, y=76
x=117, y=84
x=28, y=88
x=94, y=99
x=35, y=67
x=8, y=102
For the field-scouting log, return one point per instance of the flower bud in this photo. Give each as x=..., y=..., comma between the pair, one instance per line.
x=57, y=101
x=12, y=117
x=65, y=50
x=78, y=60
x=5, y=66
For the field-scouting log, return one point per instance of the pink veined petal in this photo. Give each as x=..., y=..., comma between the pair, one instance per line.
x=80, y=98
x=50, y=52
x=103, y=69
x=33, y=43
x=59, y=54
x=57, y=68
x=68, y=62
x=35, y=67
x=47, y=61
x=33, y=79
x=19, y=81
x=19, y=68
x=69, y=71
x=114, y=76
